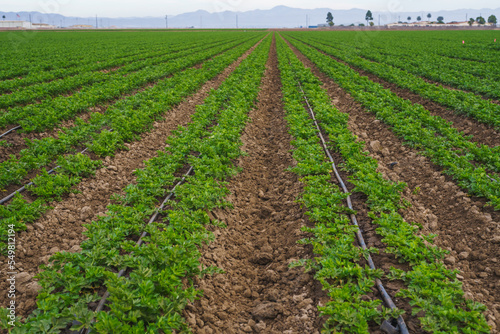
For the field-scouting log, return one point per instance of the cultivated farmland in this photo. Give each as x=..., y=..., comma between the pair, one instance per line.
x=250, y=182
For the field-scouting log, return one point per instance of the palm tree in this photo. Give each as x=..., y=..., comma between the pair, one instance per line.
x=429, y=16
x=3, y=17
x=419, y=18
x=409, y=18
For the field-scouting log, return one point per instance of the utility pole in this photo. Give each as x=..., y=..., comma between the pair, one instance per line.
x=31, y=24
x=307, y=24
x=96, y=26
x=201, y=22
x=236, y=21
x=166, y=22
x=379, y=19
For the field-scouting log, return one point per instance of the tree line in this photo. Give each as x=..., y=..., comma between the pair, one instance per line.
x=440, y=20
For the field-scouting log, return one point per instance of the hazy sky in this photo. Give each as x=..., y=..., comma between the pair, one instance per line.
x=122, y=8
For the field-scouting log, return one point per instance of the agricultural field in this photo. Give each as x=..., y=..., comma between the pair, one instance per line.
x=246, y=181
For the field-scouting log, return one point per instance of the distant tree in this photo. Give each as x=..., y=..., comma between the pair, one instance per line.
x=351, y=25
x=429, y=16
x=492, y=19
x=471, y=21
x=419, y=18
x=361, y=25
x=409, y=18
x=329, y=18
x=368, y=16
x=480, y=20
x=440, y=19
x=3, y=17
x=372, y=24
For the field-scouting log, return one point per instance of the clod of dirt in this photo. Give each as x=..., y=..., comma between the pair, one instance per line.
x=375, y=145
x=262, y=259
x=266, y=311
x=86, y=213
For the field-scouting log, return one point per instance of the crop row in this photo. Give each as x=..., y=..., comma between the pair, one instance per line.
x=92, y=64
x=336, y=262
x=478, y=56
x=429, y=68
x=128, y=77
x=31, y=53
x=150, y=299
x=40, y=152
x=463, y=102
x=432, y=288
x=467, y=162
x=128, y=118
x=411, y=57
x=87, y=76
x=427, y=55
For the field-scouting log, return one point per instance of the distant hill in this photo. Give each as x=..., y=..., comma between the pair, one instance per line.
x=277, y=17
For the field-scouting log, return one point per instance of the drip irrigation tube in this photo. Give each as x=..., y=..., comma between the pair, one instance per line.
x=139, y=243
x=11, y=130
x=23, y=188
x=385, y=296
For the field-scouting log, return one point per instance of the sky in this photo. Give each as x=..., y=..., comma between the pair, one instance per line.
x=129, y=8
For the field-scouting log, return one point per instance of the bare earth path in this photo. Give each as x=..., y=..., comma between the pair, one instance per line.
x=258, y=292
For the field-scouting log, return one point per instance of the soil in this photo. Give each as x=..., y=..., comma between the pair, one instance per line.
x=465, y=227
x=61, y=228
x=258, y=291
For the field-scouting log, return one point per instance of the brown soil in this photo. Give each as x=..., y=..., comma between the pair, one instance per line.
x=258, y=291
x=61, y=229
x=112, y=69
x=464, y=225
x=483, y=134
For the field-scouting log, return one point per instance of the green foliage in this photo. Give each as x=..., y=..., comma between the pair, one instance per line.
x=329, y=19
x=368, y=16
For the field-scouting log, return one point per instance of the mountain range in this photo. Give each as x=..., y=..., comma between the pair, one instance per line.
x=277, y=17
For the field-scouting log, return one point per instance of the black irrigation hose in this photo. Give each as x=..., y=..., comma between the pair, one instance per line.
x=7, y=132
x=139, y=243
x=23, y=188
x=387, y=299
